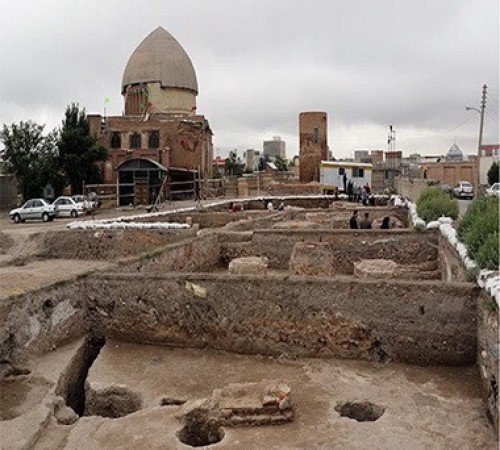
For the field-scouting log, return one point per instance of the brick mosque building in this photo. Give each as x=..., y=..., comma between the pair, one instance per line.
x=160, y=136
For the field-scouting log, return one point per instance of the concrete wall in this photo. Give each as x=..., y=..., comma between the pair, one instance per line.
x=424, y=323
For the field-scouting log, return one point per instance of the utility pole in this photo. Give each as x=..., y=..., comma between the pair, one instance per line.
x=481, y=126
x=481, y=123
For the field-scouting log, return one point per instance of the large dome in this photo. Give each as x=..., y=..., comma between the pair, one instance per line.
x=454, y=153
x=160, y=58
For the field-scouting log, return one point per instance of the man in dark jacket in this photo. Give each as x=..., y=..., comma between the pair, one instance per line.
x=353, y=221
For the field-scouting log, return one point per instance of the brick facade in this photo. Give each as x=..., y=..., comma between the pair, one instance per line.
x=184, y=141
x=313, y=131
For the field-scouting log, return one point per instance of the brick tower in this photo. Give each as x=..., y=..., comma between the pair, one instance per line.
x=313, y=143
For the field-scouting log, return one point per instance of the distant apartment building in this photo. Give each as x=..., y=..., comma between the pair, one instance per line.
x=275, y=147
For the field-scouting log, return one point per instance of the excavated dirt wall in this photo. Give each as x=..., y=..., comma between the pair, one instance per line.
x=43, y=319
x=194, y=255
x=452, y=267
x=105, y=244
x=424, y=322
x=402, y=246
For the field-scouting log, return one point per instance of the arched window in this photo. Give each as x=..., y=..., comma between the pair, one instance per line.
x=154, y=139
x=116, y=140
x=135, y=140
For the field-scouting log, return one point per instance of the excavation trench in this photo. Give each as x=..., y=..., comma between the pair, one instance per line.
x=72, y=384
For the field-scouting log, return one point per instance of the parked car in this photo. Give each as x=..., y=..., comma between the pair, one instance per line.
x=67, y=207
x=494, y=190
x=34, y=209
x=87, y=204
x=463, y=190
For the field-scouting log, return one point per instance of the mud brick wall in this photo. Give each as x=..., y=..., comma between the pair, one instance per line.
x=193, y=255
x=451, y=264
x=42, y=320
x=424, y=323
x=403, y=246
x=105, y=244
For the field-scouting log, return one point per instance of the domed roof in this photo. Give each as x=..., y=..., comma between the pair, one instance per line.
x=160, y=58
x=454, y=153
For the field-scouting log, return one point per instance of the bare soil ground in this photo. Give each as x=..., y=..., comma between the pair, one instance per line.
x=36, y=274
x=425, y=407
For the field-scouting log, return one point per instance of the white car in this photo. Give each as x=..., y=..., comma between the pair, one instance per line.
x=36, y=208
x=494, y=190
x=67, y=207
x=87, y=204
x=463, y=190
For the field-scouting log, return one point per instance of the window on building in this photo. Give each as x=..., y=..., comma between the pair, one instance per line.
x=341, y=171
x=154, y=139
x=316, y=135
x=135, y=140
x=358, y=172
x=116, y=140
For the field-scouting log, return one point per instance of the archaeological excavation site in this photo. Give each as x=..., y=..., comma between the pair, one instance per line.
x=249, y=329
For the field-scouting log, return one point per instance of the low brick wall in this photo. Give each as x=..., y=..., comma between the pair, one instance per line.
x=424, y=323
x=105, y=244
x=402, y=246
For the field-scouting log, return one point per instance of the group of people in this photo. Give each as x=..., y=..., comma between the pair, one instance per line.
x=366, y=223
x=358, y=194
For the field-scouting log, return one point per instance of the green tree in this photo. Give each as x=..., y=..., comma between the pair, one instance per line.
x=280, y=164
x=78, y=150
x=233, y=164
x=31, y=157
x=264, y=159
x=493, y=173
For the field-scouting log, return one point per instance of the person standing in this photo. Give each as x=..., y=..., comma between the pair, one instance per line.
x=366, y=223
x=385, y=223
x=353, y=221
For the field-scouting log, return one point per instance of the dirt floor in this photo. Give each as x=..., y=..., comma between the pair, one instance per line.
x=424, y=408
x=36, y=274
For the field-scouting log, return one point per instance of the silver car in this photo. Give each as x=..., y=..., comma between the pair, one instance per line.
x=34, y=209
x=67, y=207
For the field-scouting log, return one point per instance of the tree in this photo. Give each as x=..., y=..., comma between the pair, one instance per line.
x=493, y=173
x=233, y=164
x=264, y=159
x=31, y=157
x=78, y=150
x=280, y=164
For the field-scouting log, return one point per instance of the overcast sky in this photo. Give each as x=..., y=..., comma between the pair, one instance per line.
x=414, y=64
